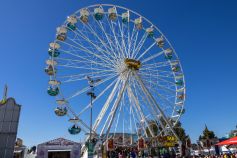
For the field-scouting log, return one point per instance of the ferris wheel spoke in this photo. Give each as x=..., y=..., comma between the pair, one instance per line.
x=89, y=27
x=116, y=103
x=108, y=118
x=158, y=77
x=130, y=39
x=138, y=107
x=149, y=48
x=130, y=116
x=108, y=39
x=171, y=105
x=151, y=109
x=157, y=106
x=98, y=97
x=114, y=44
x=83, y=78
x=111, y=43
x=75, y=47
x=106, y=105
x=161, y=79
x=171, y=91
x=164, y=71
x=123, y=41
x=119, y=48
x=79, y=56
x=141, y=124
x=84, y=74
x=140, y=45
x=134, y=122
x=152, y=57
x=69, y=78
x=87, y=88
x=147, y=101
x=134, y=42
x=156, y=74
x=103, y=58
x=85, y=61
x=155, y=65
x=161, y=85
x=102, y=51
x=79, y=67
x=118, y=116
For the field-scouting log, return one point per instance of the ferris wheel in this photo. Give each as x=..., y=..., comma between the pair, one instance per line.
x=132, y=70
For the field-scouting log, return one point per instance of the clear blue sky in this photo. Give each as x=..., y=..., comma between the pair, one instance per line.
x=203, y=33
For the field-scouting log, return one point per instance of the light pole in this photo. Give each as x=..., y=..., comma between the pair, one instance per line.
x=92, y=95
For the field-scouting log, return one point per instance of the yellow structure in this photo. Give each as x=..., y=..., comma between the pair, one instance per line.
x=132, y=64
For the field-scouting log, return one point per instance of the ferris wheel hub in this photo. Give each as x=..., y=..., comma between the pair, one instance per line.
x=132, y=63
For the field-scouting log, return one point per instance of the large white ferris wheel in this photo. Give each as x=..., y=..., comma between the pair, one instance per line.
x=130, y=66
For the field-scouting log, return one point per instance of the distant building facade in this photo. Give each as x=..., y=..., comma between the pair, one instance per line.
x=9, y=118
x=60, y=147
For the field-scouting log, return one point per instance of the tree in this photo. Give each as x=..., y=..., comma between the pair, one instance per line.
x=207, y=134
x=179, y=130
x=208, y=138
x=233, y=133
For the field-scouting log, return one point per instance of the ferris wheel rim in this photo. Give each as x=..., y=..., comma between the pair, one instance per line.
x=110, y=5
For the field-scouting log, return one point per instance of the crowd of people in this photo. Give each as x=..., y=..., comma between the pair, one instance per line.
x=225, y=155
x=134, y=154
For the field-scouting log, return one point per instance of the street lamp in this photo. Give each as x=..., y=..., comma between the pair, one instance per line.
x=92, y=95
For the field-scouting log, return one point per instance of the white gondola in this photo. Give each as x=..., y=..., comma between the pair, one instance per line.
x=61, y=102
x=84, y=15
x=60, y=111
x=74, y=120
x=54, y=82
x=72, y=19
x=51, y=62
x=150, y=31
x=98, y=13
x=178, y=77
x=160, y=42
x=112, y=13
x=174, y=63
x=61, y=30
x=125, y=17
x=180, y=90
x=175, y=116
x=54, y=45
x=179, y=103
x=168, y=50
x=138, y=23
x=61, y=33
x=50, y=70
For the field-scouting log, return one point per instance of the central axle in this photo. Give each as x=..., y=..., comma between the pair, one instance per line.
x=132, y=63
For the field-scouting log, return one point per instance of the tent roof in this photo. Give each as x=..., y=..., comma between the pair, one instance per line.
x=230, y=141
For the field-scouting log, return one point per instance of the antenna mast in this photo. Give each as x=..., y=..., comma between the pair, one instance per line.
x=5, y=92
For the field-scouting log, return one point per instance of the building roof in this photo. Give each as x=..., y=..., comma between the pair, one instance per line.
x=59, y=141
x=9, y=100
